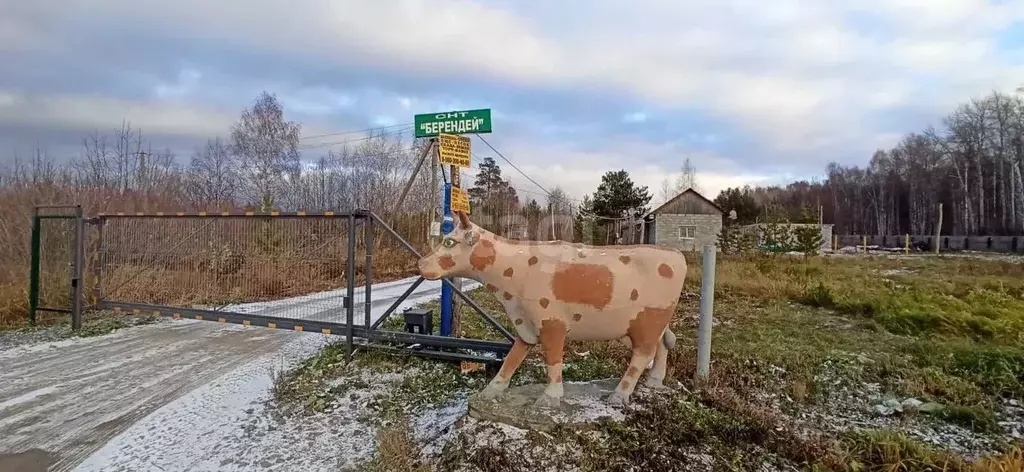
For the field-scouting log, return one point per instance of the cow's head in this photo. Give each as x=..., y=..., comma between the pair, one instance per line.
x=454, y=256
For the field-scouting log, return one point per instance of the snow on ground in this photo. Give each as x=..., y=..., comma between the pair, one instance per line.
x=69, y=397
x=224, y=424
x=328, y=306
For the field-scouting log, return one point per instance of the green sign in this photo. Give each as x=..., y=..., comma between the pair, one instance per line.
x=453, y=122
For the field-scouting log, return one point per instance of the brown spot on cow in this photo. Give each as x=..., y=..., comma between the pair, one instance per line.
x=632, y=371
x=625, y=259
x=585, y=284
x=577, y=317
x=544, y=302
x=645, y=330
x=519, y=321
x=508, y=272
x=624, y=385
x=552, y=339
x=634, y=295
x=508, y=296
x=532, y=261
x=665, y=271
x=446, y=262
x=483, y=255
x=491, y=288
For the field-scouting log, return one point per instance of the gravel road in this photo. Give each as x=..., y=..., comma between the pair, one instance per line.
x=60, y=401
x=174, y=395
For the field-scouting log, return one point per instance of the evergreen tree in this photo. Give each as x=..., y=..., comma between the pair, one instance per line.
x=532, y=213
x=742, y=201
x=618, y=197
x=776, y=231
x=582, y=227
x=493, y=195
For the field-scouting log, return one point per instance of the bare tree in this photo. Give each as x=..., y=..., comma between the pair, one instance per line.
x=213, y=175
x=267, y=147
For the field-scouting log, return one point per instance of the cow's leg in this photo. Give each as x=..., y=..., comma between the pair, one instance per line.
x=552, y=341
x=656, y=377
x=637, y=363
x=647, y=332
x=508, y=367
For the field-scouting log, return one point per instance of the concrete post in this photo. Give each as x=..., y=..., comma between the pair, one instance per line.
x=707, y=302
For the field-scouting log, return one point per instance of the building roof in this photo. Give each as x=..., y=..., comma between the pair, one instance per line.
x=677, y=197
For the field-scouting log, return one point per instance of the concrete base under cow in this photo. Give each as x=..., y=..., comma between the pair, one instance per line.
x=583, y=402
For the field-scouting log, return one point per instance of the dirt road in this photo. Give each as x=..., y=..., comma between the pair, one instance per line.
x=176, y=395
x=61, y=401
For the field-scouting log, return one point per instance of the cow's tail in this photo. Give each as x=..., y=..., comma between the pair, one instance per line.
x=668, y=339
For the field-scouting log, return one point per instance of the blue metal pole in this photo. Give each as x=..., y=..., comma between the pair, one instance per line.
x=447, y=225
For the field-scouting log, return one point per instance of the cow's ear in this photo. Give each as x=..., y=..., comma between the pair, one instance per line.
x=472, y=237
x=463, y=220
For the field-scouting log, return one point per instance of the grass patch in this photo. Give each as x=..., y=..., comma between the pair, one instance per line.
x=962, y=297
x=318, y=382
x=796, y=337
x=974, y=418
x=397, y=449
x=886, y=450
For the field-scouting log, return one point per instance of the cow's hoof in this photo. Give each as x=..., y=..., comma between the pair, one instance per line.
x=617, y=399
x=656, y=384
x=492, y=391
x=547, y=401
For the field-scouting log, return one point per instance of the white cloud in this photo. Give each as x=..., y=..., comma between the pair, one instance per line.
x=787, y=70
x=578, y=170
x=804, y=76
x=87, y=112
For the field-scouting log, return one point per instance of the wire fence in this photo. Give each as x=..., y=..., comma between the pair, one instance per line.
x=56, y=251
x=283, y=266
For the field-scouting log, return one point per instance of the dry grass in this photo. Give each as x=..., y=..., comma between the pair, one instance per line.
x=150, y=263
x=937, y=329
x=397, y=450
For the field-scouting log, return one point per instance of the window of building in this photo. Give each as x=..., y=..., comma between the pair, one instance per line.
x=687, y=232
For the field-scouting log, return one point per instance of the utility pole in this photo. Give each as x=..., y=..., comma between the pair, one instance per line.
x=433, y=238
x=551, y=216
x=457, y=281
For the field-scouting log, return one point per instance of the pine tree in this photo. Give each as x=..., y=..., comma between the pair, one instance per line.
x=776, y=232
x=618, y=197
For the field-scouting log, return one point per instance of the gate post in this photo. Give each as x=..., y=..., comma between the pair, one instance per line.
x=98, y=267
x=350, y=283
x=33, y=280
x=368, y=269
x=447, y=225
x=79, y=263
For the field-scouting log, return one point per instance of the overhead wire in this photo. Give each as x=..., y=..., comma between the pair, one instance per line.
x=546, y=192
x=355, y=140
x=364, y=130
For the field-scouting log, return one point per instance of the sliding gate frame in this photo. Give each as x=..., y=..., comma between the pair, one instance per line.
x=443, y=347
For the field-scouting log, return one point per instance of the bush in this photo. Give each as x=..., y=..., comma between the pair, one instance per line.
x=808, y=239
x=731, y=240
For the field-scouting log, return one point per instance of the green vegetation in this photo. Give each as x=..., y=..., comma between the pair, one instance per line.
x=797, y=339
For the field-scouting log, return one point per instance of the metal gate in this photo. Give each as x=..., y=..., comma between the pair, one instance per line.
x=57, y=262
x=238, y=267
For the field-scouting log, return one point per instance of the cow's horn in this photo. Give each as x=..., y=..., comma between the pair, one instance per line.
x=463, y=220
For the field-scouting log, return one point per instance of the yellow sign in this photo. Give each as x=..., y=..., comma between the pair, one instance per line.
x=460, y=200
x=453, y=149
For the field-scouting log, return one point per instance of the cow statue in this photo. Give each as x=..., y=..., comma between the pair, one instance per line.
x=553, y=291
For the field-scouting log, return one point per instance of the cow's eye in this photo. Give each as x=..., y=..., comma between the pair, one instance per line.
x=449, y=243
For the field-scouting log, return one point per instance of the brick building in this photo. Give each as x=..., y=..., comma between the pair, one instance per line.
x=686, y=222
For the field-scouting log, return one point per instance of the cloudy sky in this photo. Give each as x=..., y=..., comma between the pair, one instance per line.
x=751, y=91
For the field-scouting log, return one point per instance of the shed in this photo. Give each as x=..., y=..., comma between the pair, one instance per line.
x=687, y=222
